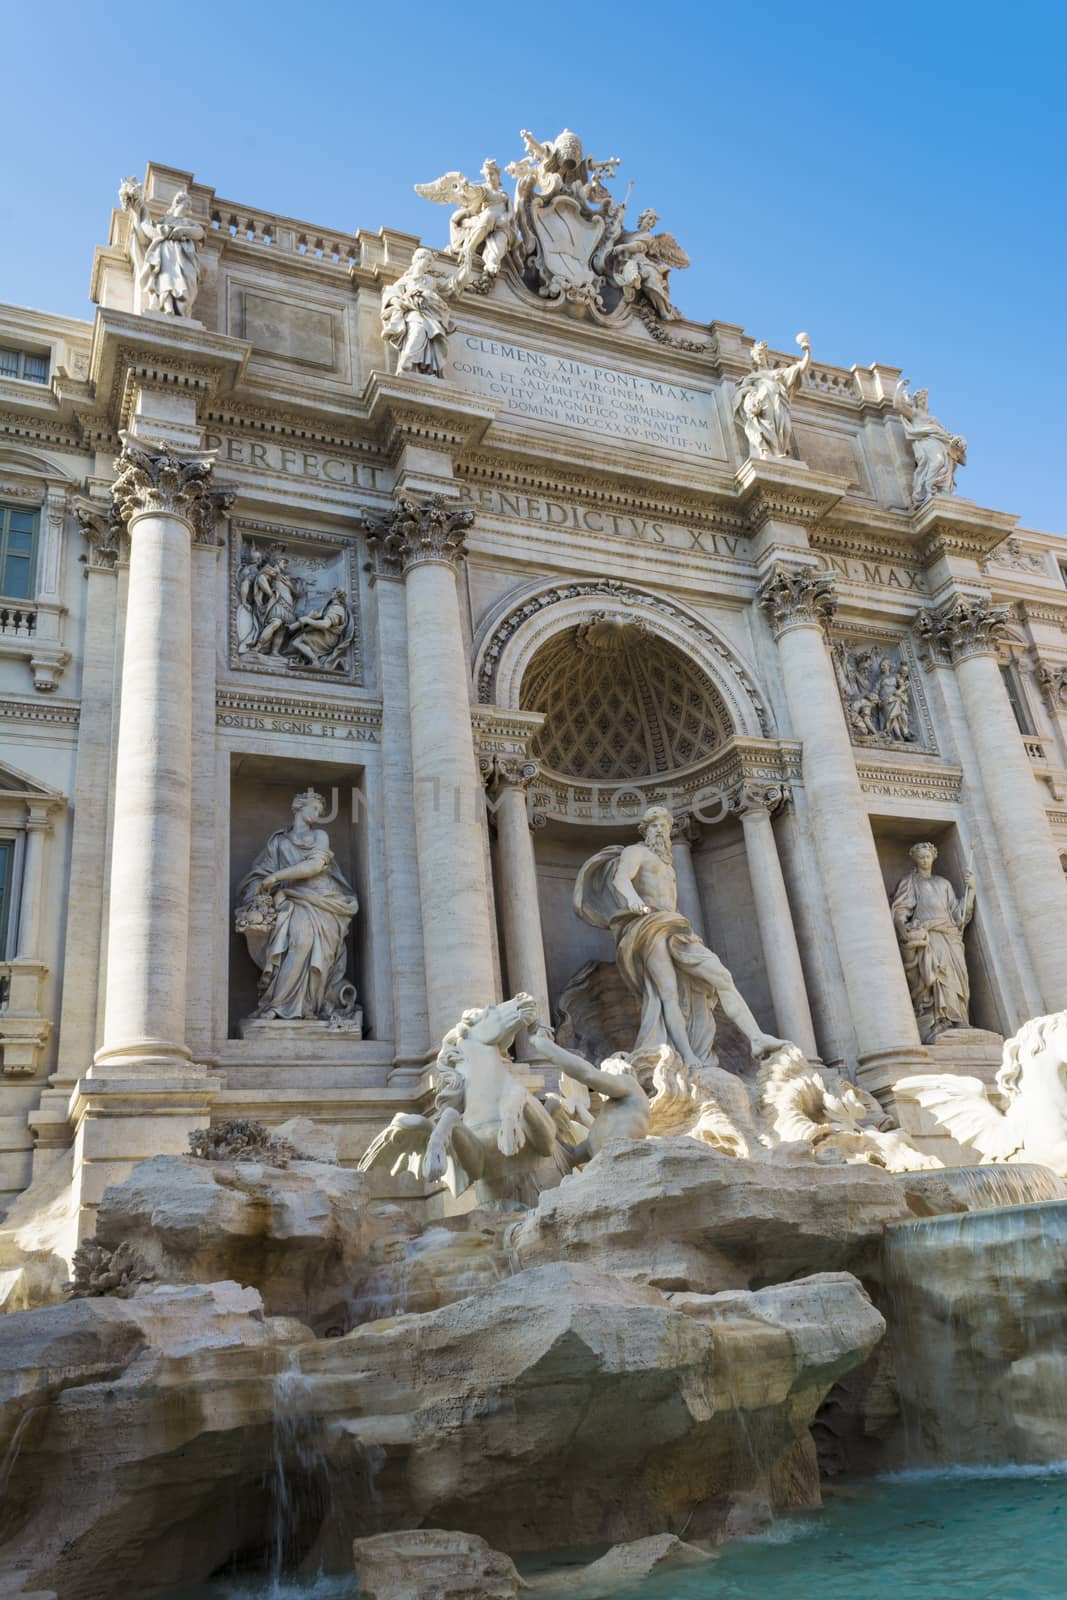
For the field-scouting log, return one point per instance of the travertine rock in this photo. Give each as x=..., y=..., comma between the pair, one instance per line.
x=623, y=1566
x=433, y=1564
x=146, y=1429
x=674, y=1213
x=299, y=1234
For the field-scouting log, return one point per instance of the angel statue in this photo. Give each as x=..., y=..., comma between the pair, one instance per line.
x=1027, y=1121
x=480, y=230
x=416, y=319
x=641, y=262
x=761, y=402
x=937, y=452
x=486, y=1129
x=165, y=253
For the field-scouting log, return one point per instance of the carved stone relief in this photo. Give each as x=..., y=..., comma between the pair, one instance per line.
x=880, y=694
x=293, y=604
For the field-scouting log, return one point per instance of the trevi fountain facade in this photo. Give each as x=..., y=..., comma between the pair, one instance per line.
x=532, y=840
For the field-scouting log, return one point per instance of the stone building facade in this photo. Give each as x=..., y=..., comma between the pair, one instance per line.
x=567, y=584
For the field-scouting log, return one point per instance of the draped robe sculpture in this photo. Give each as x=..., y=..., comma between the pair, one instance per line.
x=294, y=908
x=930, y=920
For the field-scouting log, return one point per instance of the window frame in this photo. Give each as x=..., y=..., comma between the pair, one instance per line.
x=9, y=846
x=23, y=354
x=6, y=510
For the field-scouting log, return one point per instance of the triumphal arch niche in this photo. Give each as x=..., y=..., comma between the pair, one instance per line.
x=361, y=592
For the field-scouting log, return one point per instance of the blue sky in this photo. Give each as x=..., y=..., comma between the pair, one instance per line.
x=889, y=177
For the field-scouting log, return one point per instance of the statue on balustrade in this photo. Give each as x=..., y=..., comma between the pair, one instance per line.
x=761, y=401
x=930, y=922
x=294, y=909
x=166, y=253
x=416, y=318
x=480, y=231
x=632, y=890
x=937, y=452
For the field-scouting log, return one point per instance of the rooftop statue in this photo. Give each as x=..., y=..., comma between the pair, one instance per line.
x=480, y=231
x=1030, y=1122
x=166, y=253
x=640, y=264
x=416, y=317
x=761, y=402
x=486, y=1129
x=632, y=891
x=937, y=452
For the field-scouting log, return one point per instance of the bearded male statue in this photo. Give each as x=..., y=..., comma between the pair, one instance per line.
x=632, y=890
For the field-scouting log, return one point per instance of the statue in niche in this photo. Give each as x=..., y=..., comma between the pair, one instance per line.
x=876, y=694
x=416, y=319
x=268, y=620
x=761, y=402
x=937, y=452
x=486, y=1129
x=640, y=264
x=166, y=254
x=632, y=891
x=1032, y=1087
x=480, y=231
x=294, y=908
x=930, y=921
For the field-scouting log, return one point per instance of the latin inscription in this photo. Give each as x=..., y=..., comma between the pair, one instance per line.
x=309, y=727
x=274, y=457
x=592, y=519
x=575, y=394
x=877, y=574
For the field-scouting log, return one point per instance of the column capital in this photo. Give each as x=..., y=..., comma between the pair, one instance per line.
x=154, y=478
x=797, y=597
x=500, y=772
x=103, y=530
x=766, y=798
x=964, y=626
x=418, y=532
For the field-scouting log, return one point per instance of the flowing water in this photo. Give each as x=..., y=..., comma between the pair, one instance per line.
x=990, y=1534
x=977, y=1314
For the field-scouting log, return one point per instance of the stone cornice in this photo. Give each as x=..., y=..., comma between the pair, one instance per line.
x=908, y=780
x=785, y=491
x=424, y=411
x=947, y=526
x=161, y=352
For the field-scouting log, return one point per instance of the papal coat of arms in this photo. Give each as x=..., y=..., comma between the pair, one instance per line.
x=563, y=234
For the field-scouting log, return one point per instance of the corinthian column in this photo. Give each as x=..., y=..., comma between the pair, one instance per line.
x=517, y=900
x=965, y=632
x=799, y=602
x=754, y=804
x=163, y=498
x=425, y=540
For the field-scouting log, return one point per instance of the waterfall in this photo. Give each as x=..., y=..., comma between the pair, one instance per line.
x=978, y=1326
x=300, y=1483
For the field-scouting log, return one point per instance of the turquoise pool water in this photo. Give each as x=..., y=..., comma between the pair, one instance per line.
x=992, y=1534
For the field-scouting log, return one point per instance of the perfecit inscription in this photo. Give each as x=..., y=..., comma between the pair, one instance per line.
x=534, y=384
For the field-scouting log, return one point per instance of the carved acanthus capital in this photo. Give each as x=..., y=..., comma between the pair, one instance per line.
x=797, y=597
x=419, y=531
x=748, y=798
x=103, y=529
x=500, y=772
x=964, y=628
x=154, y=479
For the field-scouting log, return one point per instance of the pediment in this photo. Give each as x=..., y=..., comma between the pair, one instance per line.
x=19, y=785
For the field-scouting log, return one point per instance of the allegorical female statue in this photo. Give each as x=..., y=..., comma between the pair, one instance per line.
x=294, y=908
x=761, y=403
x=416, y=318
x=930, y=921
x=937, y=452
x=165, y=254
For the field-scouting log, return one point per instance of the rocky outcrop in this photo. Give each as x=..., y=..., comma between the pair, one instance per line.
x=299, y=1234
x=433, y=1562
x=676, y=1214
x=624, y=1566
x=561, y=1406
